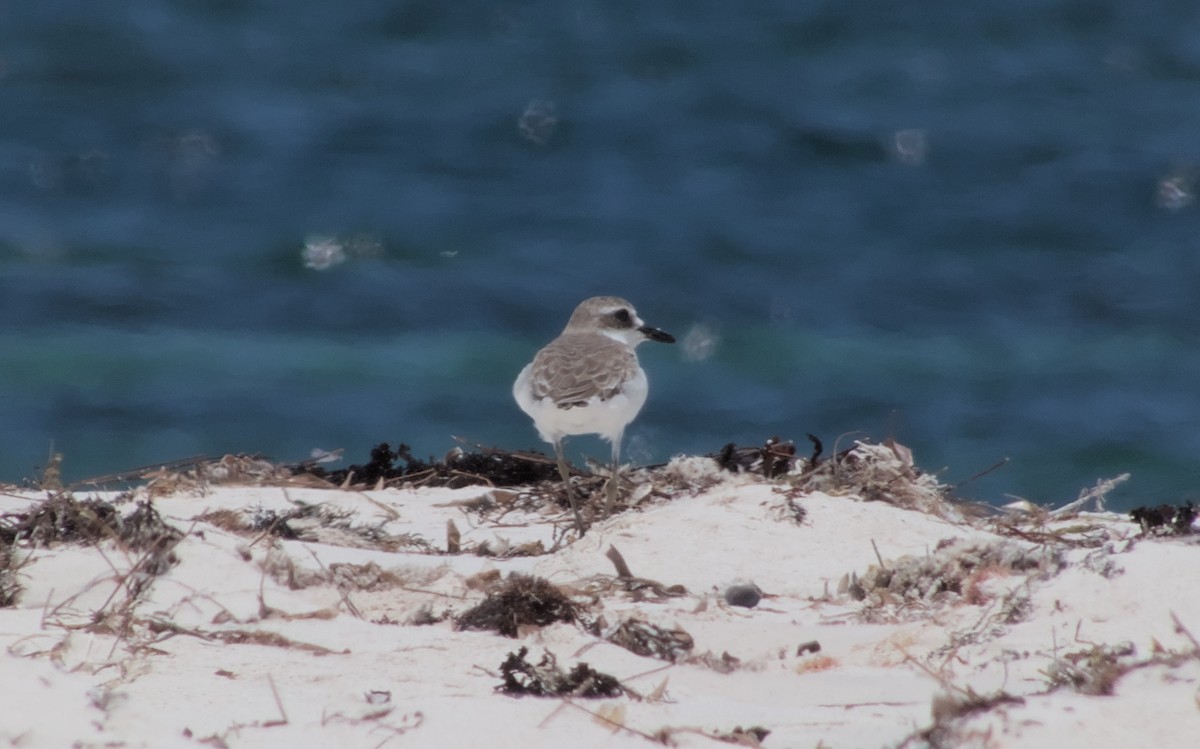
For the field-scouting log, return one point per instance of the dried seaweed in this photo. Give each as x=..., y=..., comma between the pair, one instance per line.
x=884, y=473
x=381, y=467
x=776, y=457
x=522, y=600
x=1096, y=670
x=646, y=639
x=318, y=523
x=751, y=736
x=424, y=616
x=684, y=475
x=725, y=663
x=144, y=530
x=61, y=518
x=1166, y=520
x=1093, y=671
x=546, y=679
x=237, y=636
x=195, y=474
x=640, y=588
x=457, y=469
x=366, y=576
x=953, y=573
x=948, y=710
x=10, y=588
x=880, y=473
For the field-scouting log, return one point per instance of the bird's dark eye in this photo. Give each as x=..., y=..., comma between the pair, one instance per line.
x=622, y=316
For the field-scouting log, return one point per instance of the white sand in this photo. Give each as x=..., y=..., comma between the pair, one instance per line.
x=217, y=652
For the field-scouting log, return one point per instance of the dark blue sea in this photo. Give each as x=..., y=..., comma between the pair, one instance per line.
x=271, y=226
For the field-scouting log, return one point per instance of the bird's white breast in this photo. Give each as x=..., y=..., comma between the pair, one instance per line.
x=607, y=418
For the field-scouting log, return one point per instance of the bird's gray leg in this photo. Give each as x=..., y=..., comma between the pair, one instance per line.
x=566, y=477
x=613, y=477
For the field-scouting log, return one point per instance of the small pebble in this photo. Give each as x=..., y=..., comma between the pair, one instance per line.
x=746, y=596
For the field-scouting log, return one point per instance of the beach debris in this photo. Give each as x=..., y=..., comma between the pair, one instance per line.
x=1022, y=508
x=501, y=548
x=385, y=467
x=365, y=576
x=1092, y=671
x=876, y=472
x=247, y=636
x=239, y=469
x=641, y=587
x=881, y=473
x=618, y=561
x=52, y=474
x=725, y=663
x=950, y=710
x=144, y=530
x=392, y=467
x=546, y=679
x=954, y=572
x=520, y=601
x=377, y=697
x=744, y=595
x=10, y=586
x=687, y=475
x=1039, y=528
x=1165, y=520
x=752, y=736
x=197, y=473
x=643, y=638
x=424, y=616
x=1095, y=495
x=795, y=510
x=318, y=523
x=776, y=457
x=61, y=518
x=146, y=541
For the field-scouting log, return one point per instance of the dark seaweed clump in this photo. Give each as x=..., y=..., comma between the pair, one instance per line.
x=545, y=679
x=1170, y=520
x=458, y=468
x=10, y=587
x=63, y=519
x=522, y=600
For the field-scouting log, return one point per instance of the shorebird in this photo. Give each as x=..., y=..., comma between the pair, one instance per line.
x=588, y=381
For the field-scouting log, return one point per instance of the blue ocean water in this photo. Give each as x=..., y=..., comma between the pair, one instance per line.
x=265, y=226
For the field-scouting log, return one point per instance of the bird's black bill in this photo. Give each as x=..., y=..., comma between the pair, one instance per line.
x=655, y=334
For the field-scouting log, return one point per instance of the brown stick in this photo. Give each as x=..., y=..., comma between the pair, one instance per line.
x=619, y=562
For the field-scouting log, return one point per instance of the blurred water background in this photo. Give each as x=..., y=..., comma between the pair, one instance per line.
x=272, y=225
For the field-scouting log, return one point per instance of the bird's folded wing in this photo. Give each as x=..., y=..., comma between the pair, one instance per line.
x=573, y=369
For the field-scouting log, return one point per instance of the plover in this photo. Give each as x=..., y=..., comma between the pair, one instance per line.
x=588, y=381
